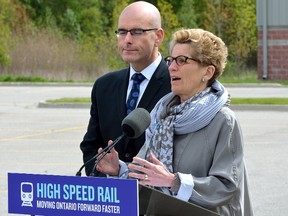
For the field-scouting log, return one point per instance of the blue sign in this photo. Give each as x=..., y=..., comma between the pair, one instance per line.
x=71, y=195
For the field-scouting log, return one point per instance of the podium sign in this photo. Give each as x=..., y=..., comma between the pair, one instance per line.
x=71, y=195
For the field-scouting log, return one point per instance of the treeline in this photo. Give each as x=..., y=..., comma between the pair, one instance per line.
x=75, y=40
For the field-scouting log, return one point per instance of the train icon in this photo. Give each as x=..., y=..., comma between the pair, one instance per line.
x=27, y=193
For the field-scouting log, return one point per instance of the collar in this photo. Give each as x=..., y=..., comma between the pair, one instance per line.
x=149, y=70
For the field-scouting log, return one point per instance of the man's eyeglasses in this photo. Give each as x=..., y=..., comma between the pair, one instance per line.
x=136, y=32
x=180, y=60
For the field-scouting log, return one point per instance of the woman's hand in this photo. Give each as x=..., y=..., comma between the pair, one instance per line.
x=154, y=173
x=109, y=163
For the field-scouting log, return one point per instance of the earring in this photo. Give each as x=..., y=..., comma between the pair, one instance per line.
x=203, y=79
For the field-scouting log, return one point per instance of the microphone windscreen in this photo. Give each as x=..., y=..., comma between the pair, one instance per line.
x=136, y=122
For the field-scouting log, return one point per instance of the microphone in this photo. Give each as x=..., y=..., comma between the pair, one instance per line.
x=136, y=122
x=133, y=125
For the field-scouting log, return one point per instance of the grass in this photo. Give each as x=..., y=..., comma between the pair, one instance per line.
x=247, y=77
x=21, y=79
x=70, y=100
x=271, y=101
x=29, y=79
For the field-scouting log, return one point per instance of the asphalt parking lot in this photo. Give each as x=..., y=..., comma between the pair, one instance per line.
x=46, y=140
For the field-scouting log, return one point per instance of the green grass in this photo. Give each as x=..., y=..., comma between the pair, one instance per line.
x=21, y=79
x=243, y=80
x=272, y=101
x=31, y=79
x=70, y=100
x=247, y=77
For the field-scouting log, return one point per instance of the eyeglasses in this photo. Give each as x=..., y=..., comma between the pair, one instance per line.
x=180, y=60
x=136, y=32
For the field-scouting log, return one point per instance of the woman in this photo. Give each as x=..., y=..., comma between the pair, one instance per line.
x=194, y=144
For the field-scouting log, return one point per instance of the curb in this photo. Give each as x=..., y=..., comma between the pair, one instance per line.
x=64, y=105
x=230, y=85
x=253, y=85
x=236, y=107
x=42, y=84
x=256, y=107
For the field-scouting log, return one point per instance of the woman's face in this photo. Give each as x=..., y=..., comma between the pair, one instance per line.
x=187, y=79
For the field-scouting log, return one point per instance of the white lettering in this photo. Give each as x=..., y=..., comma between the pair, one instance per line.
x=89, y=207
x=45, y=204
x=111, y=209
x=78, y=192
x=66, y=206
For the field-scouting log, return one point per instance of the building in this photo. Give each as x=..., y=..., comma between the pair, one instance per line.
x=272, y=24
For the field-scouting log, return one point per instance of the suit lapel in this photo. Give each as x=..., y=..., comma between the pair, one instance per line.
x=153, y=87
x=121, y=93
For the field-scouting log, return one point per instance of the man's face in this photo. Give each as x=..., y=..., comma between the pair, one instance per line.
x=137, y=47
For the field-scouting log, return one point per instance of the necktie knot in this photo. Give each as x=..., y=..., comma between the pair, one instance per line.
x=137, y=78
x=134, y=93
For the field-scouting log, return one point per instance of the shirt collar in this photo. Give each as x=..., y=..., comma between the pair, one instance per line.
x=149, y=70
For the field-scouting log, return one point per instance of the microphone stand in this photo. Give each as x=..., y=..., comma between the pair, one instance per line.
x=103, y=152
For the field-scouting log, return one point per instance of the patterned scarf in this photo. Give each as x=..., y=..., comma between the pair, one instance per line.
x=170, y=117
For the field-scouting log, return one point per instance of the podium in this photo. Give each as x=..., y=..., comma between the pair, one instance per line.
x=154, y=202
x=50, y=195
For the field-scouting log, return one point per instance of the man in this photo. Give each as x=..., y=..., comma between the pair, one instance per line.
x=139, y=37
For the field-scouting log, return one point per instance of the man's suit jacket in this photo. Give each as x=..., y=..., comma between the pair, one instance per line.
x=108, y=109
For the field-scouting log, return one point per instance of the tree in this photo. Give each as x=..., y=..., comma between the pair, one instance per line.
x=186, y=14
x=243, y=40
x=70, y=25
x=6, y=9
x=89, y=26
x=233, y=21
x=110, y=44
x=170, y=23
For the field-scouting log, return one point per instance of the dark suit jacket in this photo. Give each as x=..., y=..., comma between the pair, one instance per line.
x=108, y=109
